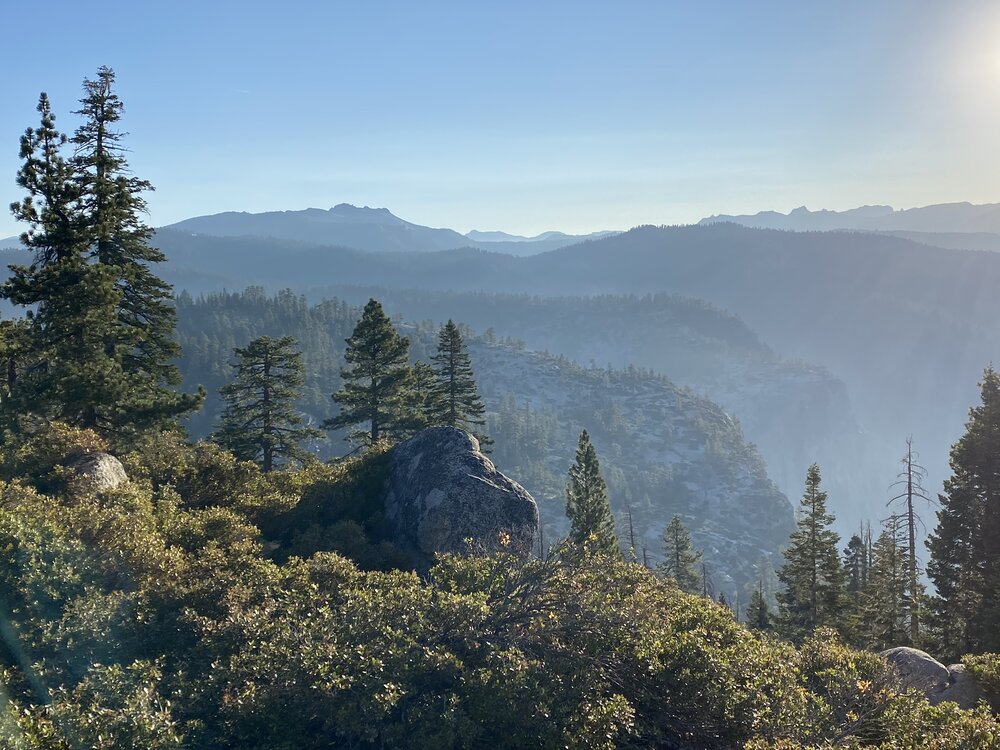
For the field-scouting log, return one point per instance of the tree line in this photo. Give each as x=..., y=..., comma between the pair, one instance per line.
x=383, y=397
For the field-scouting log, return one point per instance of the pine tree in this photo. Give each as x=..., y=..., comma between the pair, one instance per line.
x=425, y=398
x=260, y=422
x=112, y=208
x=458, y=403
x=680, y=560
x=910, y=484
x=377, y=383
x=813, y=581
x=61, y=369
x=758, y=613
x=886, y=605
x=855, y=568
x=965, y=545
x=97, y=353
x=592, y=525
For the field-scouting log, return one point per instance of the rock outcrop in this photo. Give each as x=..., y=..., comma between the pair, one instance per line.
x=444, y=495
x=918, y=670
x=921, y=671
x=97, y=472
x=964, y=689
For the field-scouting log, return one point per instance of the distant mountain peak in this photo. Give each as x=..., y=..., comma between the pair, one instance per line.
x=367, y=228
x=941, y=217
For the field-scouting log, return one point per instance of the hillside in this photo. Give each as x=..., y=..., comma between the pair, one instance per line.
x=663, y=449
x=698, y=346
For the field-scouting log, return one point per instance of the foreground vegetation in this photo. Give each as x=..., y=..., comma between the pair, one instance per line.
x=166, y=613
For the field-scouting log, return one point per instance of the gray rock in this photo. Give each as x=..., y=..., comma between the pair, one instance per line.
x=963, y=690
x=97, y=472
x=918, y=669
x=441, y=492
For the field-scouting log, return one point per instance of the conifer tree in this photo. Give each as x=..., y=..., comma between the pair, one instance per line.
x=592, y=525
x=95, y=355
x=910, y=484
x=758, y=613
x=62, y=370
x=813, y=581
x=680, y=560
x=855, y=568
x=886, y=606
x=112, y=208
x=377, y=386
x=260, y=422
x=458, y=402
x=425, y=398
x=965, y=545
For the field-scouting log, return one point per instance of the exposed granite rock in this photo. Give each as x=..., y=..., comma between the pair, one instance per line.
x=918, y=669
x=97, y=472
x=441, y=492
x=963, y=690
x=921, y=671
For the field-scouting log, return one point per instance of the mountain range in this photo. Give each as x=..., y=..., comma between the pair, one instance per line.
x=964, y=226
x=370, y=229
x=948, y=223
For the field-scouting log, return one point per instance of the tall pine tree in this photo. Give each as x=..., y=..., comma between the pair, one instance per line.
x=260, y=422
x=813, y=581
x=458, y=402
x=965, y=545
x=61, y=369
x=592, y=525
x=680, y=559
x=910, y=484
x=377, y=381
x=112, y=209
x=96, y=354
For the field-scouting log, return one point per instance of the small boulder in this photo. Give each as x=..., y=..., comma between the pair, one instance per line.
x=441, y=492
x=919, y=670
x=97, y=472
x=963, y=690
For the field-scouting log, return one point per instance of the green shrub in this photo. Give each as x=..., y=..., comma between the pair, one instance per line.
x=158, y=616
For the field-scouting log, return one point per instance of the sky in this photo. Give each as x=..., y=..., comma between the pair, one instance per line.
x=526, y=116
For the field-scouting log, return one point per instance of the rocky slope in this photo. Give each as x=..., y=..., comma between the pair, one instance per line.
x=664, y=450
x=795, y=412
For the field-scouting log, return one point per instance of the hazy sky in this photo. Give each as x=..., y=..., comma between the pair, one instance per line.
x=527, y=116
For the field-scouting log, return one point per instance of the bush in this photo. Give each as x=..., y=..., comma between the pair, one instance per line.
x=153, y=616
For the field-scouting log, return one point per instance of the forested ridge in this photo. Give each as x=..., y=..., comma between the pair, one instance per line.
x=188, y=561
x=665, y=450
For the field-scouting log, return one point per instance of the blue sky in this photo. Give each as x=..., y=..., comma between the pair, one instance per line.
x=527, y=116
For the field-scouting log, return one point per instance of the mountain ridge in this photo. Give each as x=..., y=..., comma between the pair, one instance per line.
x=960, y=217
x=366, y=228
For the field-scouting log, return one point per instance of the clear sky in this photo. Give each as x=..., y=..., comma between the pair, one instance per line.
x=526, y=116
